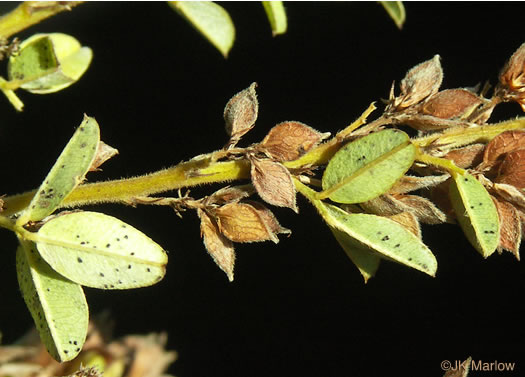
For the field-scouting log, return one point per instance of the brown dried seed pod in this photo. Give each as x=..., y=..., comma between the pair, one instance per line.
x=452, y=103
x=512, y=169
x=505, y=142
x=218, y=246
x=466, y=157
x=273, y=183
x=287, y=141
x=241, y=222
x=510, y=227
x=240, y=113
x=420, y=82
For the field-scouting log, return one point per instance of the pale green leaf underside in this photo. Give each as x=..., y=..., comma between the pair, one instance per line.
x=57, y=305
x=48, y=63
x=367, y=167
x=276, y=16
x=385, y=237
x=366, y=261
x=100, y=251
x=476, y=213
x=211, y=20
x=396, y=11
x=67, y=172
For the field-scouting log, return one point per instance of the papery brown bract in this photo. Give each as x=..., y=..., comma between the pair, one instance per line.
x=424, y=210
x=452, y=103
x=230, y=194
x=511, y=194
x=408, y=183
x=510, y=227
x=240, y=113
x=273, y=183
x=241, y=222
x=287, y=141
x=421, y=81
x=218, y=246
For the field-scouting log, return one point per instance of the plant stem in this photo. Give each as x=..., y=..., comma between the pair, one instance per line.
x=29, y=13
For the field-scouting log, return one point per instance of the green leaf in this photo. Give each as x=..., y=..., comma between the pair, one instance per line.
x=211, y=20
x=100, y=251
x=366, y=261
x=367, y=167
x=48, y=63
x=476, y=213
x=276, y=16
x=57, y=305
x=387, y=238
x=396, y=10
x=67, y=172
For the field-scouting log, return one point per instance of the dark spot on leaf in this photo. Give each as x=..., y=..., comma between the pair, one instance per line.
x=148, y=269
x=83, y=243
x=108, y=245
x=397, y=245
x=79, y=260
x=385, y=238
x=101, y=274
x=129, y=266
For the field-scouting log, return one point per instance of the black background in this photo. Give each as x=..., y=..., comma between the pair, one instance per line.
x=157, y=89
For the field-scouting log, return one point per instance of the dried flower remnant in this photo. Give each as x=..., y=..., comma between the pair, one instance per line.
x=240, y=113
x=502, y=144
x=466, y=157
x=104, y=153
x=512, y=169
x=287, y=141
x=512, y=78
x=409, y=222
x=218, y=246
x=420, y=82
x=273, y=183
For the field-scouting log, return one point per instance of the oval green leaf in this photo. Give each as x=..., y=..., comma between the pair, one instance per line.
x=396, y=11
x=58, y=306
x=276, y=16
x=211, y=20
x=367, y=167
x=67, y=172
x=48, y=63
x=386, y=238
x=100, y=251
x=476, y=213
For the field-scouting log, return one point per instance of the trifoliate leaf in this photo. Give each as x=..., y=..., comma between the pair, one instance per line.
x=48, y=63
x=367, y=167
x=58, y=306
x=100, y=251
x=276, y=16
x=396, y=10
x=211, y=20
x=476, y=213
x=67, y=172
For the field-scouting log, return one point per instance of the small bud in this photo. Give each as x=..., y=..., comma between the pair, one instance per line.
x=104, y=153
x=452, y=104
x=240, y=113
x=510, y=227
x=421, y=81
x=218, y=246
x=512, y=169
x=273, y=183
x=241, y=222
x=512, y=77
x=287, y=141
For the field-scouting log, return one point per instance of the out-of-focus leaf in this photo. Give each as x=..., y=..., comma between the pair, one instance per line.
x=211, y=20
x=396, y=10
x=48, y=63
x=276, y=16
